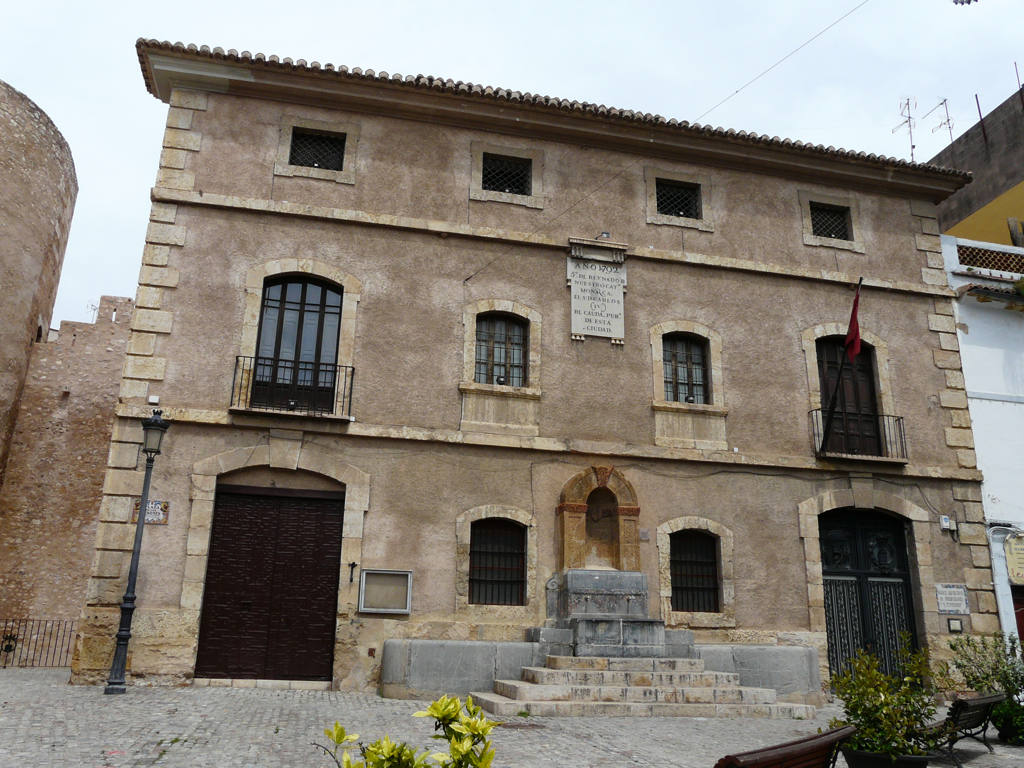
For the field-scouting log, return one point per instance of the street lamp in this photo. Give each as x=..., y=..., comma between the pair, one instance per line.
x=153, y=429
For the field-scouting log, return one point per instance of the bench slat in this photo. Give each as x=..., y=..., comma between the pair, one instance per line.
x=815, y=751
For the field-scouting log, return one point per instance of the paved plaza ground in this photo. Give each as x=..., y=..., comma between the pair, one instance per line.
x=44, y=722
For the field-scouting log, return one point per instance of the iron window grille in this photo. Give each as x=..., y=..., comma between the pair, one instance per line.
x=684, y=362
x=501, y=345
x=502, y=173
x=693, y=566
x=317, y=150
x=831, y=221
x=677, y=198
x=497, y=562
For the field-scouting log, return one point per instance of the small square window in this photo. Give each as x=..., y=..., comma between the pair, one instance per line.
x=313, y=149
x=676, y=198
x=831, y=221
x=502, y=173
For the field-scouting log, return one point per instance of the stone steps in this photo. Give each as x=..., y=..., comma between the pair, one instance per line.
x=575, y=686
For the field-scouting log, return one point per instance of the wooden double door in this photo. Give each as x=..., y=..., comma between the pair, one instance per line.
x=271, y=594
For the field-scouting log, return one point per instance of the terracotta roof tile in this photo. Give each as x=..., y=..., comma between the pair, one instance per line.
x=459, y=87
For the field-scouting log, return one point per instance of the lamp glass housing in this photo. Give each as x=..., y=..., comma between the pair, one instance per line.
x=153, y=429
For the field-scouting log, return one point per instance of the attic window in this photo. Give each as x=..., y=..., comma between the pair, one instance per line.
x=831, y=221
x=503, y=173
x=314, y=149
x=676, y=198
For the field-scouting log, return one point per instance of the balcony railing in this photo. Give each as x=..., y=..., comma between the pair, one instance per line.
x=290, y=386
x=859, y=435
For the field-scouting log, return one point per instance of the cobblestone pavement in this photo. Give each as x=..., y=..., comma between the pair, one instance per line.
x=44, y=723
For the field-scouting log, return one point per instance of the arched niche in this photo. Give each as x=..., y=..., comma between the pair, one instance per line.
x=598, y=516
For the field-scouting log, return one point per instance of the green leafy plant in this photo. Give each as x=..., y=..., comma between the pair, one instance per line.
x=464, y=727
x=889, y=711
x=992, y=664
x=986, y=664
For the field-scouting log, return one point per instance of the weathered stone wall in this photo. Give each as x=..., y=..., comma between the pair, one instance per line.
x=53, y=485
x=38, y=187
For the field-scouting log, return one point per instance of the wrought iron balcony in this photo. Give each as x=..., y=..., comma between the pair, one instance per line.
x=291, y=386
x=860, y=435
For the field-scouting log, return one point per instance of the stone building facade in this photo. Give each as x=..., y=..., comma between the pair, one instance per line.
x=38, y=188
x=54, y=478
x=548, y=336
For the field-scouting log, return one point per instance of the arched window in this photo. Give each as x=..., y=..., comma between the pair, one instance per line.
x=693, y=563
x=854, y=426
x=297, y=348
x=501, y=350
x=686, y=370
x=497, y=562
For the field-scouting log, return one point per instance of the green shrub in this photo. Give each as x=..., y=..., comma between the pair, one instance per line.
x=890, y=711
x=987, y=664
x=464, y=728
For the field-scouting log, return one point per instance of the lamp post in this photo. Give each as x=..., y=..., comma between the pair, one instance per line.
x=153, y=429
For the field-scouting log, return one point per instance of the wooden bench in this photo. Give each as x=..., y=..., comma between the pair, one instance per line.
x=817, y=751
x=966, y=717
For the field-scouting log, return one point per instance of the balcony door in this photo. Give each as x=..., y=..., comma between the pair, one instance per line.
x=855, y=426
x=297, y=351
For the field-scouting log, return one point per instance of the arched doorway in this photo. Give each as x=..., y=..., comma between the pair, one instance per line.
x=866, y=572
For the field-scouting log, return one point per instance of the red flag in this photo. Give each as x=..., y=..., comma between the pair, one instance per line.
x=852, y=342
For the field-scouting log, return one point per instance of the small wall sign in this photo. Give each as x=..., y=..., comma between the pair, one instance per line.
x=385, y=591
x=157, y=512
x=1014, y=549
x=952, y=599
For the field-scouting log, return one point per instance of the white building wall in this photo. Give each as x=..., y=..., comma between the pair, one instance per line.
x=991, y=340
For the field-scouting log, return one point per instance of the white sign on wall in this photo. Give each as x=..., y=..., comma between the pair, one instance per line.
x=952, y=598
x=597, y=288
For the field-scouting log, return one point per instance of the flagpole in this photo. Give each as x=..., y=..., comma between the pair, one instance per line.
x=830, y=416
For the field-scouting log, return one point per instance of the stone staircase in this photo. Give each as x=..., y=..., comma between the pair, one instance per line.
x=632, y=687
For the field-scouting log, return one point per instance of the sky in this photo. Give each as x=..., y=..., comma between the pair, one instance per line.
x=679, y=59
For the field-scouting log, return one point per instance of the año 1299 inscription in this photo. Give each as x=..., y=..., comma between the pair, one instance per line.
x=597, y=297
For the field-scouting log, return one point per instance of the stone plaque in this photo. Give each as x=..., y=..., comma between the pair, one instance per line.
x=952, y=598
x=597, y=298
x=157, y=512
x=1014, y=549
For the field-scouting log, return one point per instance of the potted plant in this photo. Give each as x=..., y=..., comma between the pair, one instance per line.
x=890, y=712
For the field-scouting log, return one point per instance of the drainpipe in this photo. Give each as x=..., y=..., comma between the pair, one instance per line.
x=1000, y=577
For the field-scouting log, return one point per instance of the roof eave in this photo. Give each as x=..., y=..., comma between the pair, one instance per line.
x=166, y=68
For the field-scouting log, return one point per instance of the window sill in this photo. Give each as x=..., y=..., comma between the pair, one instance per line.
x=301, y=171
x=291, y=414
x=699, y=620
x=861, y=457
x=709, y=408
x=704, y=225
x=831, y=242
x=487, y=195
x=525, y=393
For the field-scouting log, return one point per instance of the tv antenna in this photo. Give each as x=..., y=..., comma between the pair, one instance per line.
x=907, y=106
x=947, y=123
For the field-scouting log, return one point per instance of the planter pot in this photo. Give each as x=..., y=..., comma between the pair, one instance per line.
x=857, y=759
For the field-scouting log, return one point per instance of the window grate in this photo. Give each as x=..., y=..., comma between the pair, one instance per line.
x=501, y=344
x=831, y=221
x=676, y=198
x=317, y=150
x=693, y=567
x=983, y=258
x=502, y=173
x=497, y=562
x=684, y=365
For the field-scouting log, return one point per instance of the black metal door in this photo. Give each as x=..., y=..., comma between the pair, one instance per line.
x=855, y=427
x=271, y=593
x=868, y=601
